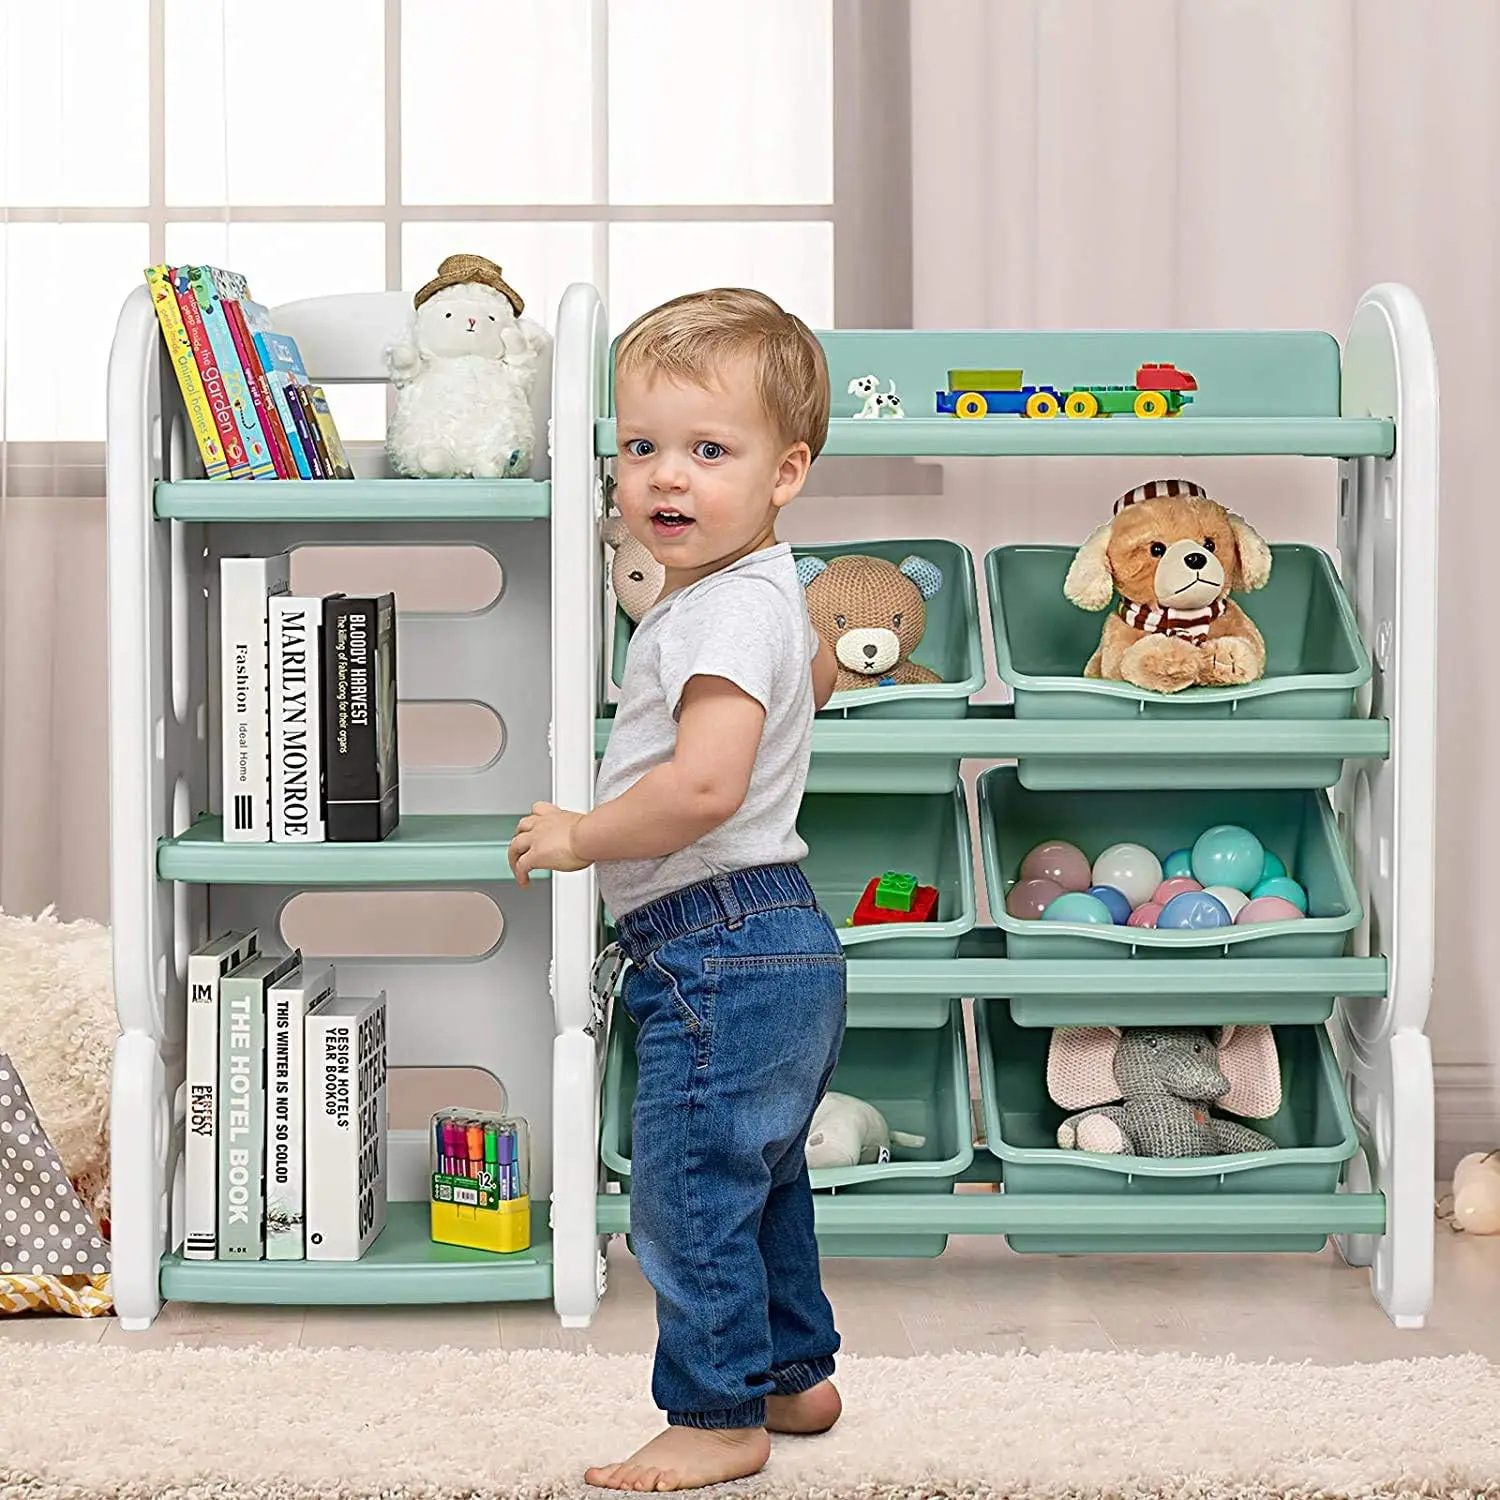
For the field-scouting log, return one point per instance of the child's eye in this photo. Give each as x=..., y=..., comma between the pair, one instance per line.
x=638, y=447
x=711, y=451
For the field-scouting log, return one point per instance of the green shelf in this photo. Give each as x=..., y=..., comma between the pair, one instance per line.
x=404, y=1265
x=1169, y=437
x=1136, y=991
x=425, y=849
x=1100, y=1215
x=869, y=755
x=354, y=500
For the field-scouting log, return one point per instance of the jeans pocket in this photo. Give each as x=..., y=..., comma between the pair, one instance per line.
x=687, y=983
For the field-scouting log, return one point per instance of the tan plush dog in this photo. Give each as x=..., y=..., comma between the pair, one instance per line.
x=1174, y=555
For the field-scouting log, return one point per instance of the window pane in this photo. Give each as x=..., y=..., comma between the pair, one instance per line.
x=724, y=103
x=55, y=364
x=283, y=262
x=275, y=102
x=791, y=262
x=539, y=260
x=495, y=101
x=73, y=102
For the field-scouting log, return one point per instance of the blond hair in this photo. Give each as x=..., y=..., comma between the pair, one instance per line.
x=689, y=338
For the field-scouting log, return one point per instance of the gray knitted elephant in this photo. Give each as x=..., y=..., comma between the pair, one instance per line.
x=1167, y=1077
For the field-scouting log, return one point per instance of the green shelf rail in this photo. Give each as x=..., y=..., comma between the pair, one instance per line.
x=1096, y=1214
x=425, y=849
x=1021, y=437
x=404, y=1265
x=990, y=731
x=354, y=500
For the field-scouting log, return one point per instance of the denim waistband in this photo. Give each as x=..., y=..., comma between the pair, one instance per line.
x=725, y=898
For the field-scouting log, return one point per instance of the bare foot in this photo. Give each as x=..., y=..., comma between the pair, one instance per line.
x=687, y=1458
x=808, y=1412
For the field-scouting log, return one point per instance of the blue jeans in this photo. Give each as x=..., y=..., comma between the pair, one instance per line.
x=737, y=991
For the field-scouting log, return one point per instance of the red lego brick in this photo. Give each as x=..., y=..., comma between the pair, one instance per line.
x=867, y=914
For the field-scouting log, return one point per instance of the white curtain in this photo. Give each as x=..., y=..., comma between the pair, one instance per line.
x=1245, y=164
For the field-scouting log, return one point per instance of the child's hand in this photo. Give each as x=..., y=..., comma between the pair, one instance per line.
x=544, y=841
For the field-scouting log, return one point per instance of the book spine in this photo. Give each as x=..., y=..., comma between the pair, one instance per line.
x=315, y=428
x=219, y=404
x=332, y=1147
x=235, y=381
x=384, y=705
x=260, y=396
x=185, y=366
x=338, y=460
x=304, y=429
x=276, y=384
x=296, y=628
x=353, y=786
x=245, y=585
x=200, y=1149
x=291, y=1007
x=242, y=1045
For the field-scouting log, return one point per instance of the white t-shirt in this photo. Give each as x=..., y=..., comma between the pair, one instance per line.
x=747, y=623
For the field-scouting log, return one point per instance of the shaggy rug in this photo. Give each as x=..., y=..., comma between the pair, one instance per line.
x=97, y=1423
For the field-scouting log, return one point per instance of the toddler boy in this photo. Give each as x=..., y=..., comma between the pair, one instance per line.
x=736, y=984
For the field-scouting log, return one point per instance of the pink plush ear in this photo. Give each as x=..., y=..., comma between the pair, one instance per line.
x=1081, y=1066
x=1090, y=584
x=1247, y=1058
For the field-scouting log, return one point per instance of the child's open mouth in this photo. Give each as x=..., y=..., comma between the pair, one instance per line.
x=669, y=522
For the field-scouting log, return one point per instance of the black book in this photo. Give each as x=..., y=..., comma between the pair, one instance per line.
x=363, y=790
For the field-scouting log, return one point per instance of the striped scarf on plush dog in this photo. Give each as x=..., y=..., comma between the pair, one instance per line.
x=1190, y=623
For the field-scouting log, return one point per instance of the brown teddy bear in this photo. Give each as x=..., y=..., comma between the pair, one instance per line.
x=872, y=614
x=1174, y=555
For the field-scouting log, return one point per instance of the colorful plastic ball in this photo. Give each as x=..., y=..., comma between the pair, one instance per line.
x=1116, y=900
x=1267, y=909
x=1194, y=911
x=1231, y=899
x=1176, y=886
x=1178, y=862
x=1079, y=906
x=1145, y=914
x=1272, y=867
x=1132, y=869
x=1028, y=899
x=1060, y=861
x=1227, y=854
x=1285, y=887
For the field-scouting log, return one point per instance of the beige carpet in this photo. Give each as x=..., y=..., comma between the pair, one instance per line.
x=81, y=1422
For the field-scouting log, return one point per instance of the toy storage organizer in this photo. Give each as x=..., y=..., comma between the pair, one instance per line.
x=1332, y=755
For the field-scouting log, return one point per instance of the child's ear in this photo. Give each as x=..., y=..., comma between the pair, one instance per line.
x=1090, y=583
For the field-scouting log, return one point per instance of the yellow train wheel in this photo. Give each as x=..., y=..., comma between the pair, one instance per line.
x=1150, y=404
x=971, y=404
x=1082, y=404
x=1041, y=404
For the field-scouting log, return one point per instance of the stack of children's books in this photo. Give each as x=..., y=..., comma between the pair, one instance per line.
x=250, y=403
x=308, y=698
x=286, y=1109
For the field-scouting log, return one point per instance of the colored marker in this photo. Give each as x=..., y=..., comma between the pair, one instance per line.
x=475, y=1135
x=491, y=1164
x=437, y=1141
x=506, y=1156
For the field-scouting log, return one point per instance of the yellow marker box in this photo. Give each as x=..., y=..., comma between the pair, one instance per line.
x=481, y=1168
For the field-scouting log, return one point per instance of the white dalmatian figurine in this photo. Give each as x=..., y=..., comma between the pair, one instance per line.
x=888, y=403
x=866, y=387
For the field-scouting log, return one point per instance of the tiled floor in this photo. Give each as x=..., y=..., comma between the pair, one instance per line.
x=978, y=1296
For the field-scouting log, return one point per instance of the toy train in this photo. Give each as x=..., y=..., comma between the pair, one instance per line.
x=1160, y=390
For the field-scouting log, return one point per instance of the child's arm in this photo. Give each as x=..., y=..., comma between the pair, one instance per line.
x=825, y=672
x=671, y=806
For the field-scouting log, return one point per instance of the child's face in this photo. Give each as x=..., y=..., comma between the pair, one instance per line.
x=701, y=471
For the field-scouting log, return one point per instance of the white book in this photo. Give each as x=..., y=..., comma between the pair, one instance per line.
x=245, y=585
x=296, y=633
x=346, y=1149
x=200, y=1153
x=288, y=1005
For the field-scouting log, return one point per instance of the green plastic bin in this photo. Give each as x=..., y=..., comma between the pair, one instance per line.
x=1315, y=664
x=951, y=646
x=851, y=840
x=1299, y=826
x=918, y=1079
x=1314, y=1129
